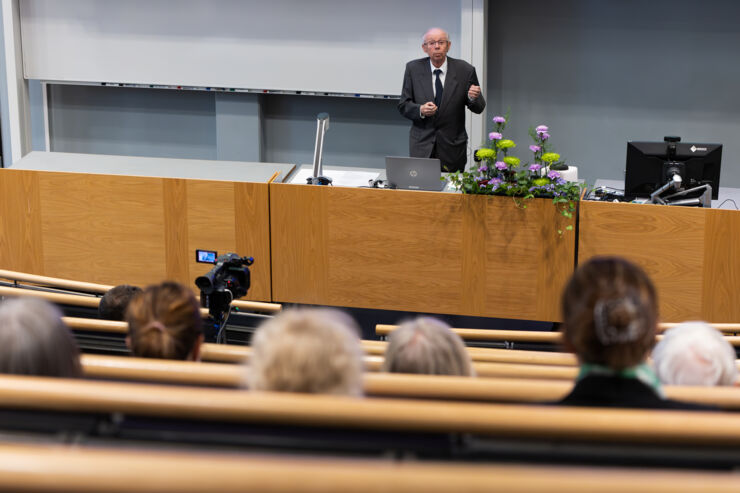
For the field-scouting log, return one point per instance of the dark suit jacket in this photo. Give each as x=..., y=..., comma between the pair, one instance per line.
x=446, y=128
x=614, y=391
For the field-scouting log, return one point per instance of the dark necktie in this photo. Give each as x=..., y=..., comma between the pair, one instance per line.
x=438, y=88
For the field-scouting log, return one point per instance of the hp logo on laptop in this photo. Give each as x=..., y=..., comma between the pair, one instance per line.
x=413, y=173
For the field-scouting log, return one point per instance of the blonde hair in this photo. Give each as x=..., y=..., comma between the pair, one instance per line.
x=427, y=346
x=164, y=322
x=307, y=350
x=35, y=341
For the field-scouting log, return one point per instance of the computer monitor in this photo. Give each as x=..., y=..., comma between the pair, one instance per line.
x=650, y=165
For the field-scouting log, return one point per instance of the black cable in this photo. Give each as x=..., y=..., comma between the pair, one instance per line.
x=728, y=200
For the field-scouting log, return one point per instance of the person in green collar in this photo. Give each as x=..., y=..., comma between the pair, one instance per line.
x=610, y=316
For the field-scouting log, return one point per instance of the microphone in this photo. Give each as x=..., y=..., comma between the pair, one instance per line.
x=322, y=125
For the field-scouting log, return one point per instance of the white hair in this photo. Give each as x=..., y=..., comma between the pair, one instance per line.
x=695, y=353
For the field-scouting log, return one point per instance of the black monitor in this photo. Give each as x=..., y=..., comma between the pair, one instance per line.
x=650, y=165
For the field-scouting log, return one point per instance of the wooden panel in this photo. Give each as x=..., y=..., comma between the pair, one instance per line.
x=417, y=251
x=176, y=229
x=667, y=242
x=721, y=267
x=106, y=229
x=394, y=250
x=298, y=236
x=252, y=220
x=211, y=225
x=123, y=229
x=20, y=226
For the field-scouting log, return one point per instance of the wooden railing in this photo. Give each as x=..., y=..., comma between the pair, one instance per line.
x=47, y=469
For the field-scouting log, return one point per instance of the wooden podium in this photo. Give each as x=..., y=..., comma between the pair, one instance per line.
x=418, y=251
x=692, y=254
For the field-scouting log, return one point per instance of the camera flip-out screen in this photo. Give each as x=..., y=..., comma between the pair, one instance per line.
x=206, y=256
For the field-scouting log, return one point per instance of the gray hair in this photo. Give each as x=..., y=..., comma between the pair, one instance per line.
x=427, y=346
x=35, y=341
x=307, y=350
x=694, y=353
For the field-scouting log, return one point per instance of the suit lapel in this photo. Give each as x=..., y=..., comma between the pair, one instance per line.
x=428, y=88
x=450, y=83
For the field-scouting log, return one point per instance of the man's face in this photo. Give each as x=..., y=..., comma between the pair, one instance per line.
x=436, y=45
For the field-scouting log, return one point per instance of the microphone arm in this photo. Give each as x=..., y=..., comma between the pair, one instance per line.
x=322, y=125
x=704, y=200
x=674, y=182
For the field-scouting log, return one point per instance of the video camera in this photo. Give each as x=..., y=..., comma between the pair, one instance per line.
x=227, y=281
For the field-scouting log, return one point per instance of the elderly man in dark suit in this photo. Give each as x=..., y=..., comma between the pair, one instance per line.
x=436, y=90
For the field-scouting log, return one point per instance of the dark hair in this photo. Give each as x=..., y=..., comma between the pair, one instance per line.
x=164, y=322
x=35, y=341
x=114, y=302
x=610, y=312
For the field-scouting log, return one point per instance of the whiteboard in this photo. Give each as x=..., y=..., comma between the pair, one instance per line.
x=330, y=46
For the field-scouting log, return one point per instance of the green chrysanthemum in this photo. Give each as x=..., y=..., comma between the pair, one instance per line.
x=485, y=154
x=541, y=182
x=550, y=157
x=512, y=161
x=505, y=144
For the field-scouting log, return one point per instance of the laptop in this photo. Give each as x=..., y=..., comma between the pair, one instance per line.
x=414, y=173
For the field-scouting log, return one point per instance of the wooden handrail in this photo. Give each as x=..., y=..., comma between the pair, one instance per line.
x=54, y=282
x=46, y=469
x=161, y=370
x=499, y=389
x=515, y=335
x=502, y=420
x=59, y=298
x=96, y=325
x=722, y=327
x=72, y=299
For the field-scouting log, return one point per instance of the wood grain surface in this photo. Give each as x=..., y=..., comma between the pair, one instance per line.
x=114, y=229
x=668, y=242
x=418, y=251
x=691, y=254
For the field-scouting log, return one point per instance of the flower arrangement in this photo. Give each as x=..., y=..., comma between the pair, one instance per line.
x=500, y=173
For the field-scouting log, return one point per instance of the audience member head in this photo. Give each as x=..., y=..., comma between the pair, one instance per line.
x=610, y=313
x=165, y=322
x=307, y=350
x=427, y=346
x=35, y=341
x=114, y=302
x=694, y=353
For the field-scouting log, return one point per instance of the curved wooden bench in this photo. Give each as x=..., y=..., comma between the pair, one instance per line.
x=515, y=335
x=693, y=428
x=45, y=469
x=383, y=384
x=234, y=353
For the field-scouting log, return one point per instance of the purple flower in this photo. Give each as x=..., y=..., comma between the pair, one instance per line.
x=541, y=128
x=560, y=181
x=535, y=167
x=535, y=148
x=495, y=136
x=499, y=119
x=553, y=175
x=502, y=165
x=543, y=135
x=482, y=168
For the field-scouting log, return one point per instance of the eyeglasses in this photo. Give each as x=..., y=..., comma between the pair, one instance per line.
x=434, y=43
